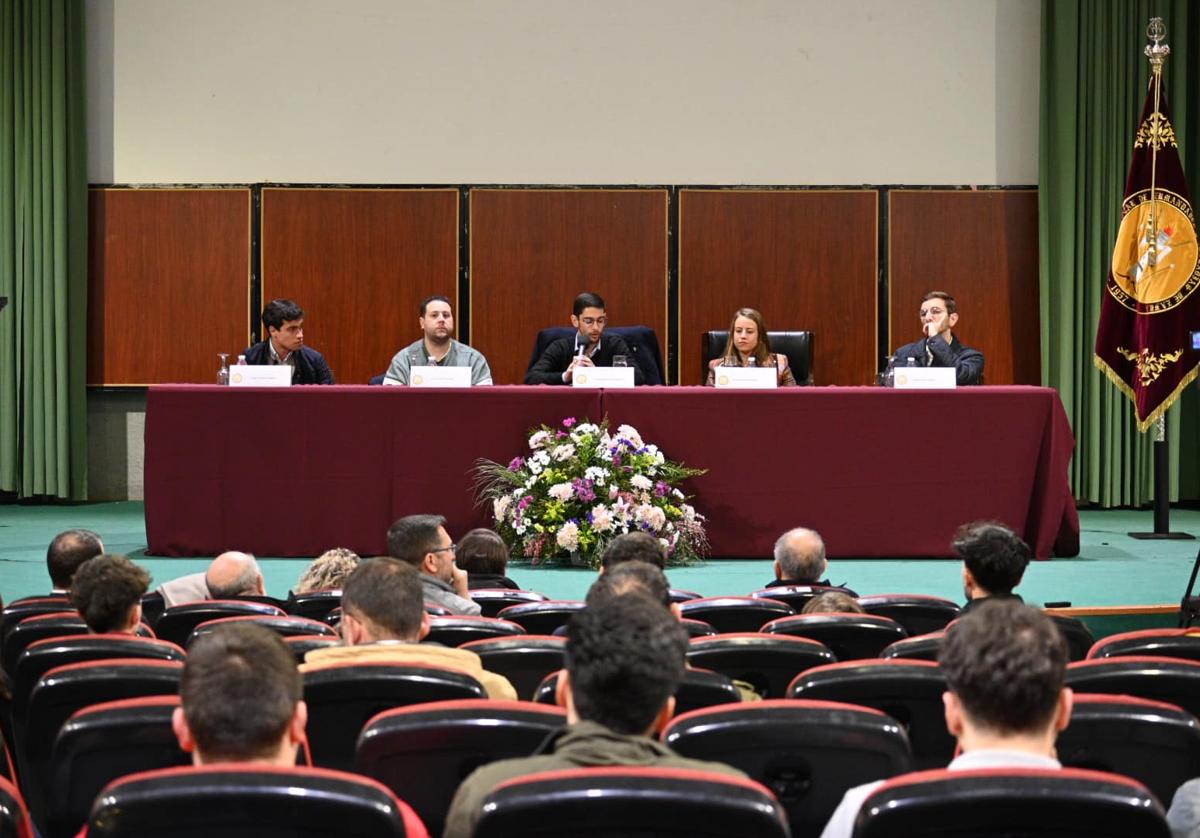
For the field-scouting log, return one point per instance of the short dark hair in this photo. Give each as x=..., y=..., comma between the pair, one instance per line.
x=239, y=692
x=995, y=555
x=587, y=300
x=633, y=547
x=482, y=551
x=105, y=589
x=440, y=298
x=68, y=551
x=951, y=305
x=387, y=594
x=1007, y=663
x=630, y=577
x=838, y=602
x=412, y=536
x=279, y=312
x=625, y=658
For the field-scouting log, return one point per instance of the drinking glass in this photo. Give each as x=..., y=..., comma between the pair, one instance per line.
x=620, y=361
x=223, y=372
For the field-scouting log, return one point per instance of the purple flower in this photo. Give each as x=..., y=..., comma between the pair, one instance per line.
x=583, y=490
x=616, y=459
x=516, y=464
x=524, y=502
x=661, y=488
x=560, y=435
x=569, y=422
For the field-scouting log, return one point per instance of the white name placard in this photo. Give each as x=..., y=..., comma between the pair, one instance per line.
x=248, y=375
x=434, y=376
x=612, y=377
x=925, y=378
x=746, y=378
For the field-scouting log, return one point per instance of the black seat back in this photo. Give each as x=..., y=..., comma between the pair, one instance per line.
x=542, y=617
x=796, y=345
x=39, y=627
x=919, y=614
x=524, y=660
x=1164, y=642
x=423, y=752
x=342, y=697
x=492, y=601
x=730, y=614
x=302, y=644
x=455, y=631
x=849, y=636
x=315, y=605
x=177, y=622
x=30, y=606
x=699, y=688
x=808, y=753
x=797, y=596
x=1076, y=633
x=924, y=647
x=1173, y=680
x=766, y=662
x=285, y=625
x=14, y=820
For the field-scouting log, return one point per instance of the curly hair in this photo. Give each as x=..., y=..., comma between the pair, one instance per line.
x=327, y=571
x=105, y=589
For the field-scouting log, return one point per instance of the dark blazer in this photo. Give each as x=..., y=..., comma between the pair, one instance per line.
x=824, y=583
x=310, y=365
x=967, y=363
x=557, y=357
x=480, y=581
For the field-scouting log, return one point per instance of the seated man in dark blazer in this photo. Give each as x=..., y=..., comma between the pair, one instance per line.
x=284, y=322
x=586, y=348
x=939, y=346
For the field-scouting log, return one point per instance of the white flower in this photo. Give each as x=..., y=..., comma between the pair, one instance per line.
x=581, y=432
x=500, y=506
x=538, y=440
x=639, y=481
x=541, y=458
x=677, y=493
x=561, y=491
x=651, y=515
x=597, y=475
x=563, y=452
x=689, y=512
x=520, y=528
x=613, y=491
x=630, y=433
x=601, y=518
x=534, y=466
x=531, y=482
x=568, y=536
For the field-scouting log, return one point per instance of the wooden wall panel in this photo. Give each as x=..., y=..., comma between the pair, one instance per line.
x=806, y=259
x=982, y=247
x=359, y=261
x=534, y=250
x=168, y=283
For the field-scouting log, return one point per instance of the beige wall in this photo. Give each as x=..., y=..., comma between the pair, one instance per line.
x=563, y=91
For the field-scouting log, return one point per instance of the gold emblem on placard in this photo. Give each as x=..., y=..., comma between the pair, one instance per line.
x=1149, y=366
x=582, y=378
x=1155, y=262
x=901, y=378
x=418, y=379
x=723, y=379
x=237, y=378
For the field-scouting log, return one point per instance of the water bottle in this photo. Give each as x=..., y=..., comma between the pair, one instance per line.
x=241, y=360
x=912, y=362
x=752, y=361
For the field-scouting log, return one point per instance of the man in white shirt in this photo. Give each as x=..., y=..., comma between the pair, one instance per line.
x=437, y=347
x=1005, y=666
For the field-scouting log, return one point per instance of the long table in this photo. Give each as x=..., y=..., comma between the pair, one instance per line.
x=880, y=473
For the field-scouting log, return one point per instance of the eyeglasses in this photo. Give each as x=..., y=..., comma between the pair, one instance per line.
x=453, y=548
x=935, y=311
x=594, y=321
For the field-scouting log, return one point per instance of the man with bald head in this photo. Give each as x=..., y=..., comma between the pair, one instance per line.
x=800, y=559
x=231, y=574
x=67, y=552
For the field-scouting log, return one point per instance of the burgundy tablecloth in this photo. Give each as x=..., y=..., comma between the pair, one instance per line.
x=292, y=472
x=877, y=472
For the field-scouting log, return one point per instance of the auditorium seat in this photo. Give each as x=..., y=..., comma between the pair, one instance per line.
x=1155, y=743
x=699, y=688
x=924, y=647
x=315, y=605
x=38, y=627
x=796, y=345
x=768, y=663
x=284, y=625
x=153, y=605
x=849, y=636
x=542, y=617
x=422, y=753
x=797, y=596
x=679, y=595
x=19, y=609
x=1172, y=680
x=1007, y=802
x=734, y=613
x=456, y=630
x=65, y=689
x=233, y=801
x=524, y=660
x=492, y=601
x=14, y=819
x=105, y=741
x=910, y=691
x=918, y=614
x=1076, y=633
x=697, y=628
x=808, y=753
x=302, y=644
x=631, y=802
x=1163, y=642
x=177, y=622
x=641, y=340
x=342, y=697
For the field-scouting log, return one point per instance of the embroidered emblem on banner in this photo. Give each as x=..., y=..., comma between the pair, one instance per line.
x=1157, y=271
x=1149, y=365
x=1155, y=132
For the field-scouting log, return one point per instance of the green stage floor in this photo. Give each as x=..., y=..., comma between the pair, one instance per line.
x=1111, y=570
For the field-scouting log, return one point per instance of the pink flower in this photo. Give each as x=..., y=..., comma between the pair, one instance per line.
x=569, y=421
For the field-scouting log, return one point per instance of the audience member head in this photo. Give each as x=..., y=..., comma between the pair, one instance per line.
x=633, y=547
x=241, y=698
x=234, y=574
x=107, y=593
x=624, y=660
x=482, y=551
x=327, y=571
x=748, y=336
x=383, y=600
x=994, y=558
x=835, y=602
x=67, y=552
x=422, y=541
x=631, y=577
x=1005, y=666
x=800, y=557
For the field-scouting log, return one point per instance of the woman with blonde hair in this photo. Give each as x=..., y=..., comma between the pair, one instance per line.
x=327, y=571
x=748, y=346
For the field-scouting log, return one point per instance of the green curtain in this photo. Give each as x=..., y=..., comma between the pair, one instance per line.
x=1094, y=77
x=43, y=250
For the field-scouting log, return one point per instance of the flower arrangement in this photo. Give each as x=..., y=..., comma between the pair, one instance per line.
x=580, y=486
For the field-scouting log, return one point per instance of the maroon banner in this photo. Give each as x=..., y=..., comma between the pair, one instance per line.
x=1146, y=315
